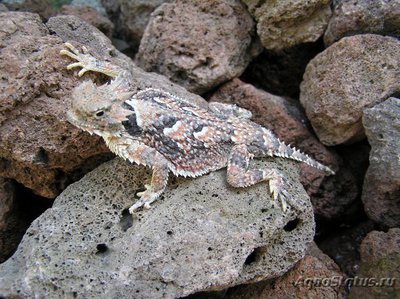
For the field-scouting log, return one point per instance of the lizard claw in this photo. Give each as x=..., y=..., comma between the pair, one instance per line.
x=146, y=198
x=278, y=188
x=84, y=60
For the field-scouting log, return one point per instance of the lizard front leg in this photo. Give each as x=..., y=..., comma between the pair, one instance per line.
x=150, y=157
x=139, y=153
x=89, y=63
x=238, y=175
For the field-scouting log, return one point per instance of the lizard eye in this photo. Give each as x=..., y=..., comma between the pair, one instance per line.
x=99, y=113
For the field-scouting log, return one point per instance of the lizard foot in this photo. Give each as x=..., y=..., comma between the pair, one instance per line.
x=278, y=187
x=146, y=198
x=84, y=60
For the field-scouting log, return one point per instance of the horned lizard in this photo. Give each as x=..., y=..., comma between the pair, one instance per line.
x=167, y=133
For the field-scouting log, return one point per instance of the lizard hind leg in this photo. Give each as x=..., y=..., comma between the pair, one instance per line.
x=238, y=175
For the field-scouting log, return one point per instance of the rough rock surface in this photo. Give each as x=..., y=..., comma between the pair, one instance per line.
x=90, y=15
x=352, y=17
x=38, y=148
x=296, y=283
x=330, y=195
x=380, y=258
x=339, y=83
x=198, y=44
x=203, y=235
x=381, y=191
x=281, y=73
x=284, y=24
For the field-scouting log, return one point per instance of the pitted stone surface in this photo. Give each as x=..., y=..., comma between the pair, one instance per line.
x=352, y=17
x=198, y=44
x=284, y=24
x=203, y=235
x=354, y=73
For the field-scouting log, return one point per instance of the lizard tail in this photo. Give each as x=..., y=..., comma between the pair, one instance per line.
x=286, y=151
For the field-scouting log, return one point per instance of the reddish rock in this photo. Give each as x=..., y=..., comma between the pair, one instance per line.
x=90, y=15
x=306, y=280
x=38, y=147
x=381, y=188
x=380, y=264
x=339, y=83
x=331, y=195
x=284, y=24
x=352, y=17
x=198, y=44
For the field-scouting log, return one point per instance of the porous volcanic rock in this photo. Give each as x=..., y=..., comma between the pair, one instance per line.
x=381, y=188
x=198, y=44
x=303, y=281
x=380, y=264
x=331, y=195
x=90, y=15
x=202, y=235
x=339, y=83
x=38, y=147
x=284, y=24
x=352, y=17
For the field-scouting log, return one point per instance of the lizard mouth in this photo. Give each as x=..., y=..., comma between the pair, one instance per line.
x=74, y=120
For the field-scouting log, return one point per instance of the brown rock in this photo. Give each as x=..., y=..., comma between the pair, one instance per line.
x=198, y=44
x=305, y=280
x=339, y=83
x=352, y=17
x=90, y=15
x=38, y=148
x=381, y=188
x=330, y=195
x=284, y=24
x=379, y=269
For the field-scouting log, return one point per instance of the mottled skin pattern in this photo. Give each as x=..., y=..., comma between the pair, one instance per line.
x=161, y=131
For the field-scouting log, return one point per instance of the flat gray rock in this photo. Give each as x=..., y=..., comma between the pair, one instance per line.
x=203, y=235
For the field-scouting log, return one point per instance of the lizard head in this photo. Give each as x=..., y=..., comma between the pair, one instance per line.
x=98, y=109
